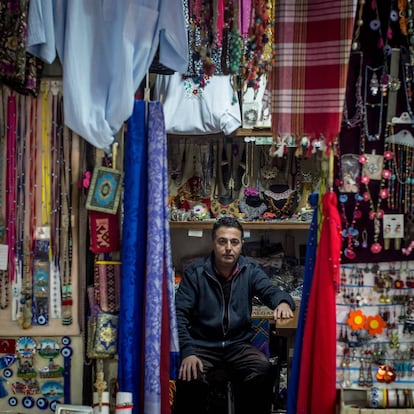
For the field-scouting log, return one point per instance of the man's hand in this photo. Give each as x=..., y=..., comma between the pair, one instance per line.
x=282, y=314
x=189, y=367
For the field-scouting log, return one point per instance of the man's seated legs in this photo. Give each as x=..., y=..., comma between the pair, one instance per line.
x=193, y=396
x=251, y=374
x=253, y=379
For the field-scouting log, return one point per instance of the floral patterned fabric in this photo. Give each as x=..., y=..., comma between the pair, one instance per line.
x=147, y=312
x=161, y=338
x=18, y=68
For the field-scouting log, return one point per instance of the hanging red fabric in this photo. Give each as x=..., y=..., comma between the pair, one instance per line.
x=317, y=382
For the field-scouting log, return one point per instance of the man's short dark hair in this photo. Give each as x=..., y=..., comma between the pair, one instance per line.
x=227, y=221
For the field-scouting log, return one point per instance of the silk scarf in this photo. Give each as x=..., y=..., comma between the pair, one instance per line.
x=311, y=246
x=317, y=382
x=133, y=257
x=161, y=349
x=308, y=79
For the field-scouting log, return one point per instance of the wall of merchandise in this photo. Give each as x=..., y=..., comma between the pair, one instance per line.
x=39, y=161
x=375, y=333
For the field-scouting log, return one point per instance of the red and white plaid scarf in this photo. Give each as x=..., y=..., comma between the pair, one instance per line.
x=313, y=43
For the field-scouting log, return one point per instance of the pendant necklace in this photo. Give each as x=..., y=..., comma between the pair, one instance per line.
x=376, y=90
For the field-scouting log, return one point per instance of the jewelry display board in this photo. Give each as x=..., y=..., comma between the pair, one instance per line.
x=375, y=333
x=39, y=196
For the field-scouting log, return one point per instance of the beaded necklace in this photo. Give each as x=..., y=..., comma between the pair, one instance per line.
x=376, y=213
x=410, y=28
x=259, y=43
x=23, y=244
x=407, y=80
x=11, y=184
x=400, y=160
x=359, y=23
x=349, y=231
x=4, y=280
x=66, y=280
x=4, y=290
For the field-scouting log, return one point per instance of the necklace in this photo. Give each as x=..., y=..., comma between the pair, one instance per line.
x=4, y=281
x=376, y=213
x=359, y=104
x=410, y=29
x=259, y=45
x=374, y=86
x=401, y=182
x=407, y=76
x=67, y=299
x=4, y=290
x=11, y=184
x=349, y=232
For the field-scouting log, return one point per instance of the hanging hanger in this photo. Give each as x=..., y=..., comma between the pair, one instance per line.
x=147, y=89
x=403, y=137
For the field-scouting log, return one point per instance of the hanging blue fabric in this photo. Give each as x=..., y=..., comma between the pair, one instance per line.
x=161, y=338
x=307, y=283
x=133, y=256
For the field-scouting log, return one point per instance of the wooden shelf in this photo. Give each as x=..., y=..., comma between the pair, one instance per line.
x=238, y=133
x=255, y=132
x=247, y=225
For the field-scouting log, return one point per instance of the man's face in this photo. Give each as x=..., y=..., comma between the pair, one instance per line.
x=227, y=246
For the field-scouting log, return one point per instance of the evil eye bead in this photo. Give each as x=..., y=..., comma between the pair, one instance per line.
x=12, y=401
x=387, y=50
x=53, y=405
x=41, y=320
x=374, y=24
x=393, y=15
x=42, y=403
x=67, y=351
x=28, y=402
x=66, y=340
x=7, y=373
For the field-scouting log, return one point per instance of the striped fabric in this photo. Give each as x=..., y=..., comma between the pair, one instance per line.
x=313, y=43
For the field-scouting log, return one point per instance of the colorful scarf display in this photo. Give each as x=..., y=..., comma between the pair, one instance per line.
x=313, y=42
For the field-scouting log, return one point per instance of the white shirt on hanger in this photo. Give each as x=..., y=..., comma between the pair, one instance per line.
x=191, y=110
x=106, y=48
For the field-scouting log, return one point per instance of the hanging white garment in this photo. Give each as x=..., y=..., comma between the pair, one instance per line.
x=106, y=47
x=193, y=109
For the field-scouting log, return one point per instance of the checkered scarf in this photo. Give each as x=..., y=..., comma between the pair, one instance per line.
x=313, y=43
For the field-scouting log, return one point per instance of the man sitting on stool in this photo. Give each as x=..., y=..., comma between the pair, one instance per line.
x=214, y=306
